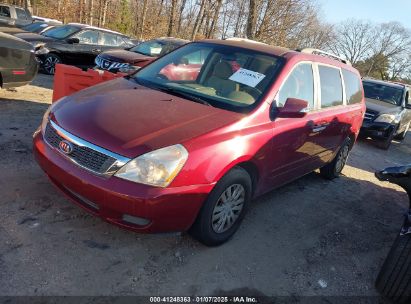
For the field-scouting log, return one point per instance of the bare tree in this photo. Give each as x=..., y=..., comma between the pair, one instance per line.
x=354, y=40
x=143, y=19
x=251, y=19
x=171, y=22
x=198, y=19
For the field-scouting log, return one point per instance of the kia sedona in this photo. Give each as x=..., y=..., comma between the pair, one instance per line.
x=152, y=154
x=388, y=114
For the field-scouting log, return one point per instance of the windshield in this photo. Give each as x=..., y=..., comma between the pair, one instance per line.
x=35, y=27
x=383, y=92
x=222, y=76
x=151, y=48
x=61, y=32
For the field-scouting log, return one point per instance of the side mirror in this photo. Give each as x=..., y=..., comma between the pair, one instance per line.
x=73, y=40
x=293, y=108
x=408, y=106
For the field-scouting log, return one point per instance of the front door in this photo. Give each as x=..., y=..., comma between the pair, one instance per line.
x=295, y=143
x=84, y=52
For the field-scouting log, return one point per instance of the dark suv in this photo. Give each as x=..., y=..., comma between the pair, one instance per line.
x=11, y=15
x=76, y=44
x=388, y=114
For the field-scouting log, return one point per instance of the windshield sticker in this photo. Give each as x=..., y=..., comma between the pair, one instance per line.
x=155, y=50
x=247, y=77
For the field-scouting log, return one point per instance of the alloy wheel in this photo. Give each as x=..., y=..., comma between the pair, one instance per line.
x=50, y=64
x=228, y=208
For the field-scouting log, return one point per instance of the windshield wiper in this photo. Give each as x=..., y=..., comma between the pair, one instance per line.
x=184, y=95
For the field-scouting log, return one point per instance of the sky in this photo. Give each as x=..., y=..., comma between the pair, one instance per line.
x=377, y=11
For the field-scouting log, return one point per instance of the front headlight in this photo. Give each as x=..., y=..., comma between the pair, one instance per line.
x=388, y=118
x=157, y=168
x=46, y=116
x=42, y=50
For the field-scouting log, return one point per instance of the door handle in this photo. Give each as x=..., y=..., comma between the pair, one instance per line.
x=96, y=50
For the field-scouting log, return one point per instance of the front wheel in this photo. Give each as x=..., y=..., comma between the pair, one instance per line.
x=394, y=279
x=49, y=63
x=403, y=134
x=386, y=143
x=222, y=212
x=334, y=168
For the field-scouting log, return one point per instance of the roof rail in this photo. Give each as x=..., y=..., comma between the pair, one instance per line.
x=243, y=40
x=324, y=54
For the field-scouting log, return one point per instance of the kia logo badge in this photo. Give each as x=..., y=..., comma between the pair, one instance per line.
x=65, y=147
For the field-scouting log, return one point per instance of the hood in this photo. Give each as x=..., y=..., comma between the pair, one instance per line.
x=131, y=120
x=125, y=56
x=31, y=37
x=381, y=106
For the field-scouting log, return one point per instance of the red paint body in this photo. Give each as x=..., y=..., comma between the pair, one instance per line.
x=108, y=116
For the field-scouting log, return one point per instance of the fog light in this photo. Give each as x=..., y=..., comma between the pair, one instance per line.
x=135, y=220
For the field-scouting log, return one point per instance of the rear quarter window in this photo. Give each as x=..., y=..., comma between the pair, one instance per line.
x=331, y=87
x=353, y=87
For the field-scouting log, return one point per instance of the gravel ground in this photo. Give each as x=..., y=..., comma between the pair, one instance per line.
x=311, y=237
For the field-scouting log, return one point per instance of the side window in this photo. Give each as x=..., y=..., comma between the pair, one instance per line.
x=5, y=11
x=88, y=37
x=21, y=14
x=299, y=84
x=331, y=86
x=108, y=39
x=353, y=87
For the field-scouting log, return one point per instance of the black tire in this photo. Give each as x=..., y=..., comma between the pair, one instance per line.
x=49, y=63
x=394, y=279
x=334, y=168
x=385, y=144
x=403, y=134
x=202, y=228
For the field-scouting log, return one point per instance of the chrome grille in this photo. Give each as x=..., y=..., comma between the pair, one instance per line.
x=83, y=153
x=109, y=65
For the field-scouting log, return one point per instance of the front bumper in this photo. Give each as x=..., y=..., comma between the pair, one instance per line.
x=163, y=209
x=377, y=130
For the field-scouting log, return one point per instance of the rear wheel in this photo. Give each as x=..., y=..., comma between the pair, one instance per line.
x=334, y=168
x=49, y=63
x=222, y=212
x=394, y=279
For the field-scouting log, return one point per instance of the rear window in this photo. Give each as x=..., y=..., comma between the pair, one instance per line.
x=5, y=11
x=331, y=87
x=21, y=14
x=353, y=87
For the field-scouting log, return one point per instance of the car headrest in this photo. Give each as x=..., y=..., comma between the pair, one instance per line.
x=222, y=70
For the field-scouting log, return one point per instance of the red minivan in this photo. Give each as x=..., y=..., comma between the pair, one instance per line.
x=154, y=154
